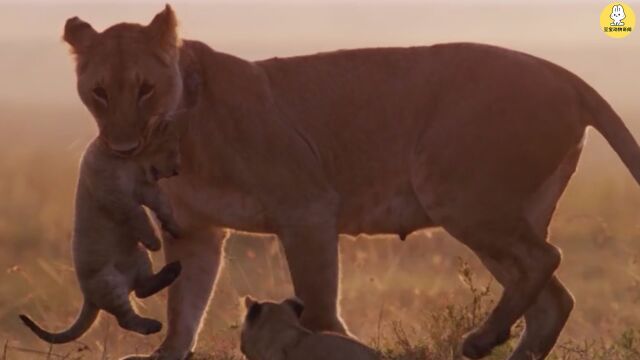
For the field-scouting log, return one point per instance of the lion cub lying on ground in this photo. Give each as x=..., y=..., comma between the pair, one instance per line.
x=272, y=331
x=109, y=223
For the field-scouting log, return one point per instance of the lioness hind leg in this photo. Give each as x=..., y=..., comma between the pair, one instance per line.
x=531, y=262
x=545, y=320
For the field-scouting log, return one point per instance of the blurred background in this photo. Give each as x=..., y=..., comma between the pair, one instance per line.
x=44, y=128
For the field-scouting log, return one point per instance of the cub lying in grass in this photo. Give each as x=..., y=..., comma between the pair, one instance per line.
x=272, y=331
x=109, y=223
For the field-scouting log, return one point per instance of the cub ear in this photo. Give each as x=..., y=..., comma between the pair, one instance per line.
x=79, y=34
x=248, y=301
x=163, y=28
x=254, y=309
x=296, y=305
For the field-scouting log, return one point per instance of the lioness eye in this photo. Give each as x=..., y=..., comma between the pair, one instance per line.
x=145, y=91
x=100, y=94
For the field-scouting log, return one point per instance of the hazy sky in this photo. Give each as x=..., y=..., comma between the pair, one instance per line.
x=30, y=32
x=301, y=1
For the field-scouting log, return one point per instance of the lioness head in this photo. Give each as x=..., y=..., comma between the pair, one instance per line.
x=269, y=327
x=127, y=76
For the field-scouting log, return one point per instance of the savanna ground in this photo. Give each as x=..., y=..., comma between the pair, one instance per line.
x=412, y=299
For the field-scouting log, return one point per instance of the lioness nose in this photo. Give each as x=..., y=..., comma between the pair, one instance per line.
x=125, y=149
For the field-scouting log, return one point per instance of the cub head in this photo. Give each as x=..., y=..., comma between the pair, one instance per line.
x=127, y=76
x=268, y=327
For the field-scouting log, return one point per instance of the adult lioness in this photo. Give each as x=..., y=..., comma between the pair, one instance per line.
x=477, y=139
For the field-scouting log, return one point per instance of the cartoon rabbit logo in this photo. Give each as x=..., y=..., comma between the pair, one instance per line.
x=611, y=19
x=617, y=15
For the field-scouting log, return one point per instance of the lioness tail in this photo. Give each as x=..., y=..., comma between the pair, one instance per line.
x=604, y=119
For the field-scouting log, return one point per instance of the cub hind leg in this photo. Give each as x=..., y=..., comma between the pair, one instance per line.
x=128, y=319
x=149, y=284
x=110, y=292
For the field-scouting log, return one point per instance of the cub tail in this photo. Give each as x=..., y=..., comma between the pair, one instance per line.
x=85, y=319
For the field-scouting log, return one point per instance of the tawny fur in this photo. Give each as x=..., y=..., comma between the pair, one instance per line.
x=272, y=331
x=109, y=223
x=477, y=139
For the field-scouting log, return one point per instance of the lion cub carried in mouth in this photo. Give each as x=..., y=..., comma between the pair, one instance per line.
x=109, y=222
x=272, y=331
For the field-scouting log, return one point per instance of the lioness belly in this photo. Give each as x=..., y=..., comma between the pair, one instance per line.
x=391, y=212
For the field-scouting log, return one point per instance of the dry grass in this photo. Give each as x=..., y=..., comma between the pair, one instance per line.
x=411, y=300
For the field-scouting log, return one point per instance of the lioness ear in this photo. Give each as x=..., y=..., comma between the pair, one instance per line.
x=79, y=34
x=163, y=28
x=295, y=304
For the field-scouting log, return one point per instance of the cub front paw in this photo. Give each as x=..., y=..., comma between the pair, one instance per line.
x=152, y=243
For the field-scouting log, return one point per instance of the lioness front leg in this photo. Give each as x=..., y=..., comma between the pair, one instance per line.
x=199, y=253
x=312, y=254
